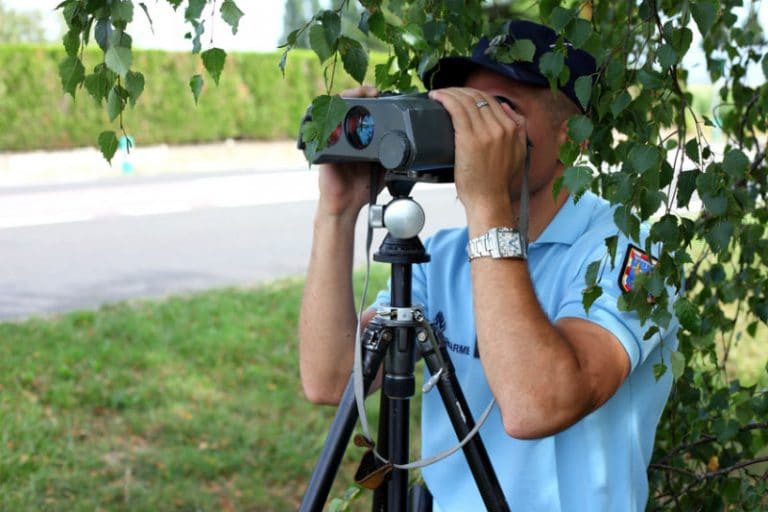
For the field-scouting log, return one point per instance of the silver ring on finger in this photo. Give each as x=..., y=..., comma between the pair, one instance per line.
x=481, y=103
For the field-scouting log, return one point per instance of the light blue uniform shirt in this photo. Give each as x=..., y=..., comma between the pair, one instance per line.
x=597, y=464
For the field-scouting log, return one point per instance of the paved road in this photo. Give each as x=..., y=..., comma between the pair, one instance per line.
x=79, y=246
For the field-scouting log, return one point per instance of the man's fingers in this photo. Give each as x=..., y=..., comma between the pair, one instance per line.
x=361, y=91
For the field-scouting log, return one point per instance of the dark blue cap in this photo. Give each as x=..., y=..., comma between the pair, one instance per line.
x=453, y=71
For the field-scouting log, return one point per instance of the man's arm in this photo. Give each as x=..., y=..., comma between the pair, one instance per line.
x=327, y=319
x=545, y=376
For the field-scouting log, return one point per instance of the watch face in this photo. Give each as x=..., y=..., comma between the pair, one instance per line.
x=510, y=243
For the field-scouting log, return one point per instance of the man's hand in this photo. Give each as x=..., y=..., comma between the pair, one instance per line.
x=490, y=147
x=345, y=188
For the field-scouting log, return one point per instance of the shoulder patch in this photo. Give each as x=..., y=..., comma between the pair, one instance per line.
x=636, y=261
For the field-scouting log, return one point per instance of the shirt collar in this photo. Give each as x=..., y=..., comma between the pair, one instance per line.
x=570, y=222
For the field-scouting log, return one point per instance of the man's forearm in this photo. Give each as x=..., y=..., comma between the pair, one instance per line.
x=327, y=321
x=531, y=369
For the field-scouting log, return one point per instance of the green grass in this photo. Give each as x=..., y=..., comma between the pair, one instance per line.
x=185, y=404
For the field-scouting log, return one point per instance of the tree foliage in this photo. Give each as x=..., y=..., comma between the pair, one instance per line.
x=700, y=179
x=114, y=81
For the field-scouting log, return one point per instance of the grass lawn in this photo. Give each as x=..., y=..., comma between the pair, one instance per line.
x=184, y=404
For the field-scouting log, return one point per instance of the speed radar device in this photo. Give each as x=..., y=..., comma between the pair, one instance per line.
x=411, y=136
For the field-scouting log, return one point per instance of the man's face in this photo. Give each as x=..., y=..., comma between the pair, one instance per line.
x=543, y=131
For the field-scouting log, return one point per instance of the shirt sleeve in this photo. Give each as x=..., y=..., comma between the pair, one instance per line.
x=613, y=279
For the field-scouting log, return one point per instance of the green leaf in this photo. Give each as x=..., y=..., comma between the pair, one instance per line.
x=149, y=18
x=619, y=103
x=231, y=14
x=579, y=31
x=583, y=89
x=434, y=31
x=551, y=64
x=213, y=61
x=765, y=65
x=666, y=230
x=560, y=17
x=71, y=42
x=569, y=152
x=611, y=243
x=643, y=158
x=686, y=185
x=692, y=149
x=659, y=369
x=705, y=14
x=98, y=84
x=577, y=179
x=378, y=25
x=651, y=332
x=134, y=84
x=199, y=28
x=667, y=56
x=319, y=43
x=678, y=364
x=681, y=40
x=522, y=50
x=354, y=58
x=627, y=222
x=650, y=79
x=716, y=204
x=362, y=25
x=720, y=235
x=72, y=74
x=120, y=38
x=196, y=85
x=332, y=27
x=122, y=11
x=115, y=103
x=194, y=10
x=589, y=296
x=102, y=33
x=725, y=429
x=557, y=186
x=428, y=61
x=327, y=113
x=650, y=202
x=736, y=163
x=118, y=59
x=590, y=279
x=579, y=128
x=108, y=145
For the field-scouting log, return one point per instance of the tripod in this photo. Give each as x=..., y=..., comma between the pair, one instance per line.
x=392, y=338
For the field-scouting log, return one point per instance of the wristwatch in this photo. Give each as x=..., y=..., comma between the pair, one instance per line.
x=498, y=243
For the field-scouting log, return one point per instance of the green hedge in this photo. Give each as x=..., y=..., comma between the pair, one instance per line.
x=252, y=100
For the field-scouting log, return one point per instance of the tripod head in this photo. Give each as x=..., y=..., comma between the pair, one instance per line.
x=403, y=218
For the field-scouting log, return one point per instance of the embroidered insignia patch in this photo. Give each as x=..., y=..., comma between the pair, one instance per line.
x=636, y=261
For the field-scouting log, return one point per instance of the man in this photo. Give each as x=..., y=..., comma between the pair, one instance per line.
x=577, y=401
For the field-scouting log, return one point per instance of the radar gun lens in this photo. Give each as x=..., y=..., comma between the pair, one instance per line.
x=358, y=127
x=335, y=135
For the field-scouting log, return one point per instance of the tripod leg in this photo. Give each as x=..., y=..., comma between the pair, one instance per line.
x=380, y=493
x=374, y=347
x=461, y=418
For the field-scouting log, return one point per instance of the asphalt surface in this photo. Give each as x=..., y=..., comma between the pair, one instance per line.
x=71, y=241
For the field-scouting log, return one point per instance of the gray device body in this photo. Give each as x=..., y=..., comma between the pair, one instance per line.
x=412, y=137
